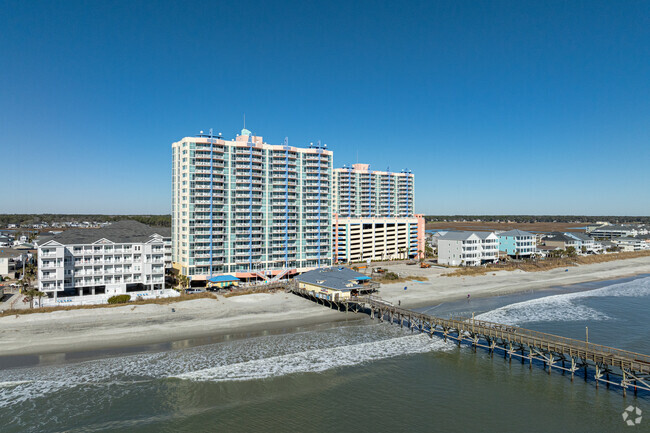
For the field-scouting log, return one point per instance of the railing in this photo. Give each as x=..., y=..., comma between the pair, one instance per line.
x=556, y=340
x=550, y=342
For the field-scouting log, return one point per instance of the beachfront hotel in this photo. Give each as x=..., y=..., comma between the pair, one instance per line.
x=90, y=265
x=373, y=215
x=250, y=209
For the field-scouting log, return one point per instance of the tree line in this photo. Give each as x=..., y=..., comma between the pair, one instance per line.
x=617, y=219
x=20, y=219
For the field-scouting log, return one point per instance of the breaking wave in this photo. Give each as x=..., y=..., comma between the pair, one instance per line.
x=317, y=360
x=249, y=359
x=566, y=307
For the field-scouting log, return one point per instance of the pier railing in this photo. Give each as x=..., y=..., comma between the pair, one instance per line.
x=534, y=340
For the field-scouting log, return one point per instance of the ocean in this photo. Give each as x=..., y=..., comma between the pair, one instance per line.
x=357, y=375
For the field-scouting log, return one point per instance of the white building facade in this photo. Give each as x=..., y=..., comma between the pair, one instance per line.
x=123, y=257
x=468, y=248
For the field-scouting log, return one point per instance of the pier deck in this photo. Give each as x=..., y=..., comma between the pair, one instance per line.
x=631, y=370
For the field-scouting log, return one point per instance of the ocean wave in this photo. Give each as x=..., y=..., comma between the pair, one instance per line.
x=263, y=356
x=565, y=307
x=317, y=360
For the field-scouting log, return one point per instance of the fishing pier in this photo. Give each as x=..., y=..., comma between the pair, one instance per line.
x=628, y=370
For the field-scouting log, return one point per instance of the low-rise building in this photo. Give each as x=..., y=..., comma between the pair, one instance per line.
x=334, y=283
x=561, y=241
x=517, y=243
x=124, y=257
x=11, y=260
x=468, y=248
x=630, y=244
x=587, y=244
x=612, y=231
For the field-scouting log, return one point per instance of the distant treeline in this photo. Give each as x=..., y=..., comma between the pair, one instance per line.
x=541, y=218
x=19, y=219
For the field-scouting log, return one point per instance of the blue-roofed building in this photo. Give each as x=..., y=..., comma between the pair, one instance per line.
x=222, y=281
x=517, y=243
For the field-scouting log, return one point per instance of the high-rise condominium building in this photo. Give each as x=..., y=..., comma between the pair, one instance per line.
x=373, y=215
x=249, y=208
x=361, y=193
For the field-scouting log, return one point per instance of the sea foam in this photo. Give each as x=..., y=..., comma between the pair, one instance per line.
x=248, y=359
x=318, y=360
x=565, y=307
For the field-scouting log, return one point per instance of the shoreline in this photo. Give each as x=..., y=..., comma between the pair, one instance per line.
x=79, y=331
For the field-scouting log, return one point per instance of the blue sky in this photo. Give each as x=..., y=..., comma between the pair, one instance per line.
x=498, y=107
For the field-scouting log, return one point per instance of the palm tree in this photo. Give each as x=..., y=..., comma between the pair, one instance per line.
x=421, y=255
x=26, y=286
x=184, y=282
x=32, y=293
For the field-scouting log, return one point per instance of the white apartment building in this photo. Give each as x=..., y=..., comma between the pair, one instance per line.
x=250, y=209
x=373, y=215
x=123, y=257
x=468, y=248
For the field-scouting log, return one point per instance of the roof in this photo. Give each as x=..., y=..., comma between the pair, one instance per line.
x=484, y=235
x=10, y=252
x=455, y=236
x=24, y=247
x=334, y=278
x=127, y=231
x=222, y=279
x=612, y=227
x=515, y=232
x=580, y=236
x=561, y=237
x=463, y=235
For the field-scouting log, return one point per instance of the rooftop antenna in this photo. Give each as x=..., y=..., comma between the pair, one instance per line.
x=244, y=120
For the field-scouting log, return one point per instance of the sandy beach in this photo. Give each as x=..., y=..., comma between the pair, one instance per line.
x=93, y=329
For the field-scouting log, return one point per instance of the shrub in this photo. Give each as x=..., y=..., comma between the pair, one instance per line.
x=391, y=276
x=119, y=299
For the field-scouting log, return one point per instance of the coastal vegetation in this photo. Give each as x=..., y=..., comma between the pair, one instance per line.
x=31, y=219
x=544, y=265
x=540, y=218
x=119, y=299
x=392, y=277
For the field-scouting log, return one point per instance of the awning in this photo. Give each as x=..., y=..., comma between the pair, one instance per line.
x=223, y=279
